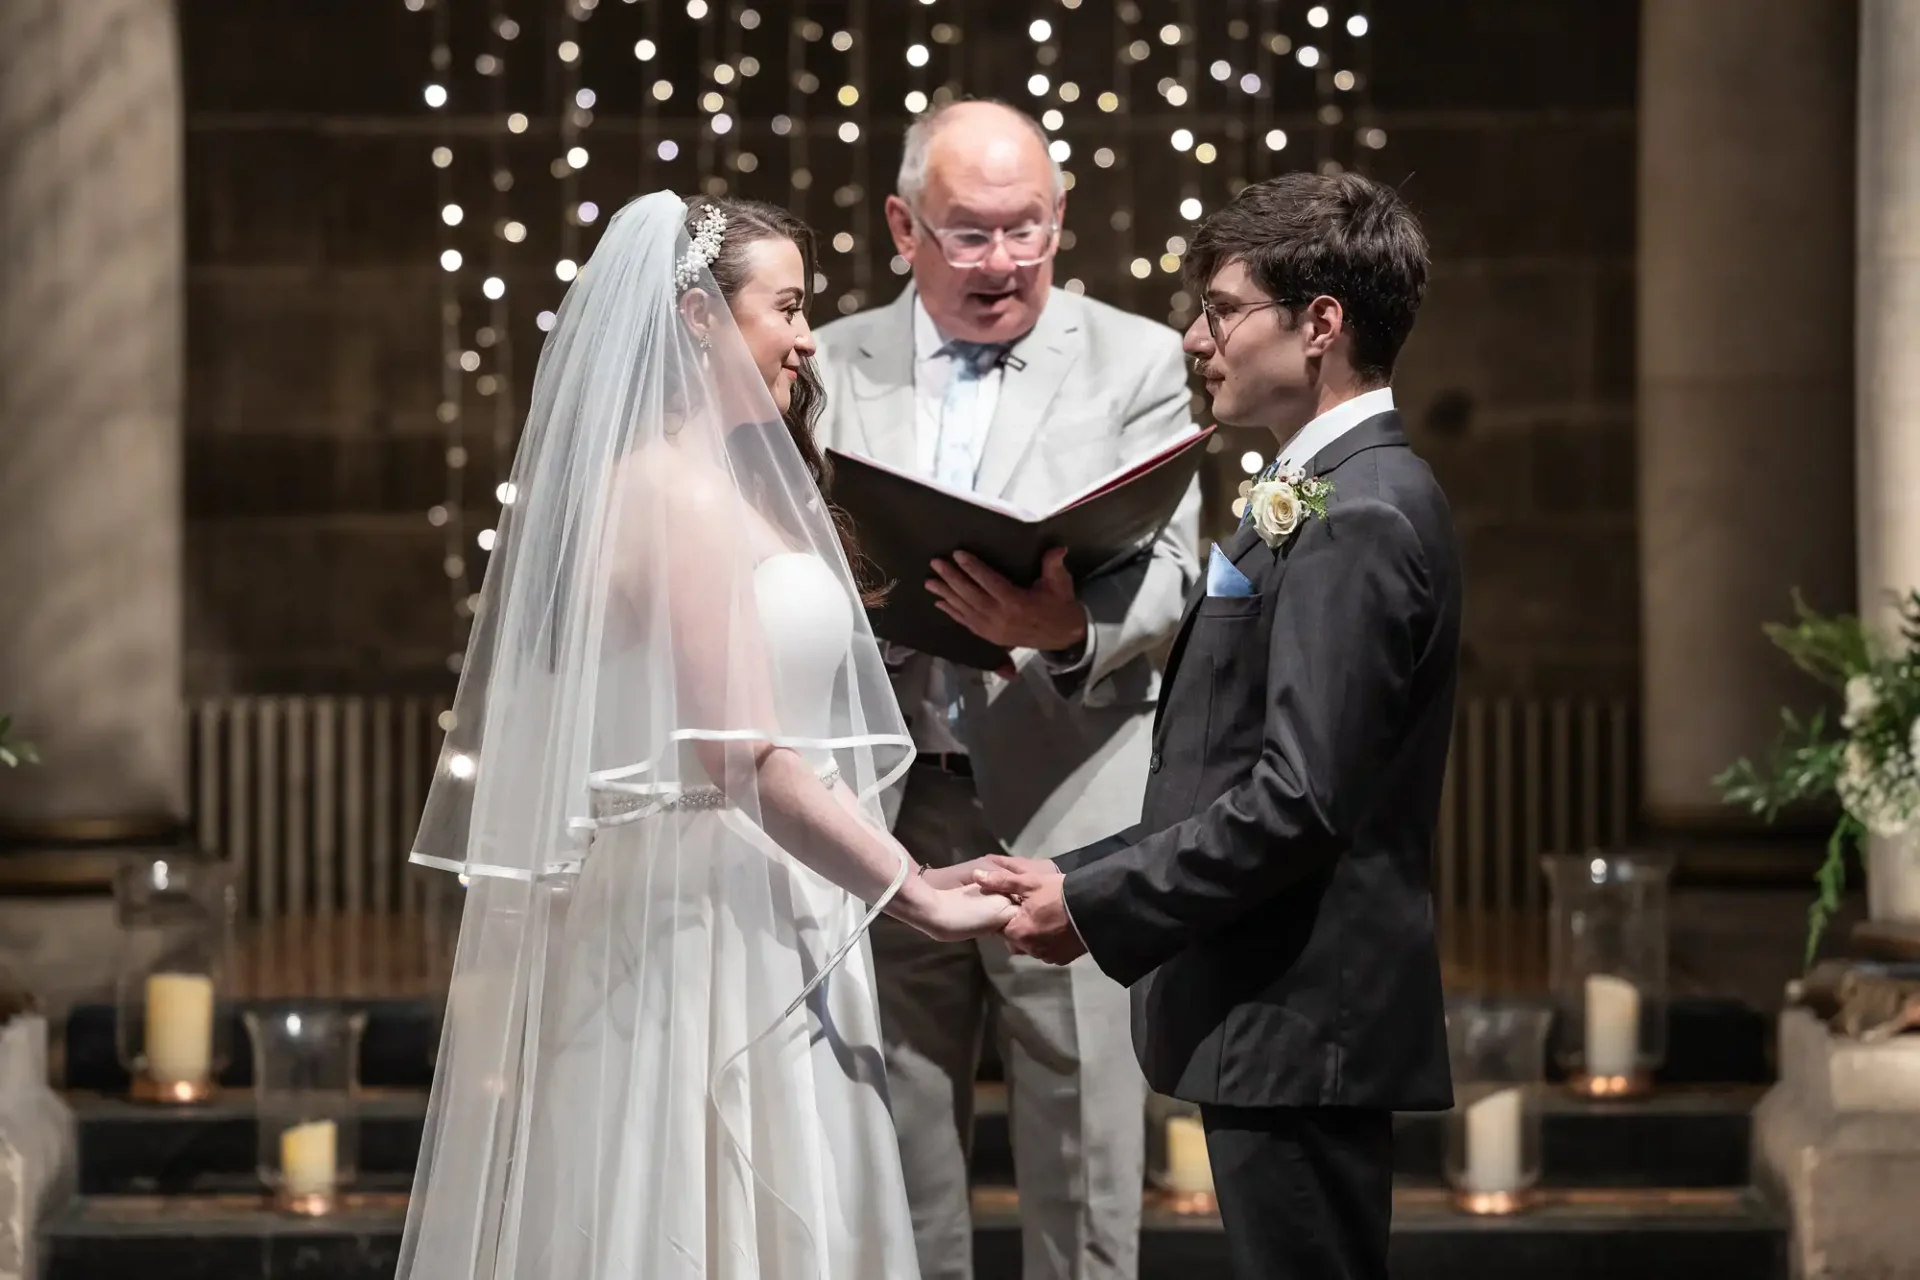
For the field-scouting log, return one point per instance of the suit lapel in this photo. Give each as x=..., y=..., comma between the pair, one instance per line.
x=1035, y=369
x=882, y=377
x=1382, y=430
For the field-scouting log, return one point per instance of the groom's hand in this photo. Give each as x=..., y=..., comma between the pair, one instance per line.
x=1047, y=616
x=1041, y=928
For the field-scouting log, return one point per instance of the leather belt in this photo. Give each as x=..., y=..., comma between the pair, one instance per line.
x=955, y=764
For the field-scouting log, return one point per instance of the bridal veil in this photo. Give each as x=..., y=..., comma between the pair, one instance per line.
x=660, y=1056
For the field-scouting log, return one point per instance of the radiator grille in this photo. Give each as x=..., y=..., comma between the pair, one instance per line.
x=317, y=799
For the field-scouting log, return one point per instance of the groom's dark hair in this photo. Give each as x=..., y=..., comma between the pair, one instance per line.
x=1302, y=235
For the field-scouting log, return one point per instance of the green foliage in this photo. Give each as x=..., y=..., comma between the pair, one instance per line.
x=1829, y=649
x=1871, y=764
x=14, y=753
x=1314, y=493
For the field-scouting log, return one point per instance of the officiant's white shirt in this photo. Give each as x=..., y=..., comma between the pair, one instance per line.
x=933, y=371
x=950, y=435
x=1334, y=423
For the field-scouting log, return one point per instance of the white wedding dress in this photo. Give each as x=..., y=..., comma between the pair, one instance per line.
x=681, y=1127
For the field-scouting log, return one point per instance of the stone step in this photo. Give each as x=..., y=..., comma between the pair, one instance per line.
x=132, y=1148
x=396, y=1050
x=1710, y=1041
x=1682, y=1137
x=1592, y=1235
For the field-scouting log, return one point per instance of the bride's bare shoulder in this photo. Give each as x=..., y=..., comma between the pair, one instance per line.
x=679, y=479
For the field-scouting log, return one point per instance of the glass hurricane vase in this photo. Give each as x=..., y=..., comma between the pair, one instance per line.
x=306, y=1080
x=176, y=920
x=1607, y=968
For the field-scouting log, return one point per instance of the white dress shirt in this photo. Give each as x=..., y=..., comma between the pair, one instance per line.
x=956, y=439
x=1334, y=423
x=934, y=368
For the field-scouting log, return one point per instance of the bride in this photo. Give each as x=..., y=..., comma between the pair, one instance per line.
x=661, y=784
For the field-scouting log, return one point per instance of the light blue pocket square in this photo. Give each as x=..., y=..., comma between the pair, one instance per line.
x=1223, y=579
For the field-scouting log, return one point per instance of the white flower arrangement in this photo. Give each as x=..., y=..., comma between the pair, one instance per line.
x=1872, y=767
x=705, y=247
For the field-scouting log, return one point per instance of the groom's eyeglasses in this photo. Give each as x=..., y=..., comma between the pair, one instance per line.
x=969, y=247
x=1217, y=316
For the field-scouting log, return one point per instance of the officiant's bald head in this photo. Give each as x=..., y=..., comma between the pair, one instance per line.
x=976, y=212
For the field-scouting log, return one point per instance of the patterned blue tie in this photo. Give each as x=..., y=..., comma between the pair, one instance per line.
x=956, y=457
x=956, y=464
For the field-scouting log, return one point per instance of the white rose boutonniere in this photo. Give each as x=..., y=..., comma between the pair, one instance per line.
x=1276, y=504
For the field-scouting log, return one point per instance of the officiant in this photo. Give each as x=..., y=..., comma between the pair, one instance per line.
x=984, y=377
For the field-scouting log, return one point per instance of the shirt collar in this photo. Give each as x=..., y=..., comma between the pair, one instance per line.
x=1334, y=423
x=928, y=341
x=927, y=338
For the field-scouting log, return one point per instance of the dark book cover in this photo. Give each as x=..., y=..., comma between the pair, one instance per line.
x=906, y=522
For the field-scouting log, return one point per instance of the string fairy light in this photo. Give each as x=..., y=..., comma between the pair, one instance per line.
x=1049, y=37
x=1184, y=96
x=949, y=36
x=919, y=59
x=1356, y=82
x=1116, y=103
x=660, y=149
x=709, y=101
x=1269, y=45
x=1215, y=103
x=730, y=124
x=1251, y=83
x=495, y=339
x=861, y=206
x=799, y=177
x=447, y=514
x=573, y=155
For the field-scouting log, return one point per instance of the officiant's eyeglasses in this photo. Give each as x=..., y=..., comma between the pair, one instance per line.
x=969, y=247
x=1218, y=316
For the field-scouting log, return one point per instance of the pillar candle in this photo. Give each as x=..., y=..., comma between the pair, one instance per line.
x=1613, y=1025
x=1493, y=1141
x=307, y=1160
x=1188, y=1169
x=179, y=1036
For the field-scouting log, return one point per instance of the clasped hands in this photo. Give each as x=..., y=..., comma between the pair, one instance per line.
x=1037, y=924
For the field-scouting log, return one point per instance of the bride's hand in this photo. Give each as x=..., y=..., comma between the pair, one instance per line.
x=968, y=911
x=957, y=876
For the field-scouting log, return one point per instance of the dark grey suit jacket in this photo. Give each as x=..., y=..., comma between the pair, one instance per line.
x=1272, y=910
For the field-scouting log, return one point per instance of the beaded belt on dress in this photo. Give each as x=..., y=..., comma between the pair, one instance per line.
x=617, y=806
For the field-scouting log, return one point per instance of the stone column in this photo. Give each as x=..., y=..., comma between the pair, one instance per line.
x=91, y=301
x=1745, y=373
x=1888, y=309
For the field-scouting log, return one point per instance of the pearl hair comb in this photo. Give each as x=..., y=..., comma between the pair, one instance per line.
x=704, y=249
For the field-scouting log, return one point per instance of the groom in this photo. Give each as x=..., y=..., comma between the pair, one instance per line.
x=1271, y=911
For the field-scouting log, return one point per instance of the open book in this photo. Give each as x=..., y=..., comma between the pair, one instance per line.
x=905, y=522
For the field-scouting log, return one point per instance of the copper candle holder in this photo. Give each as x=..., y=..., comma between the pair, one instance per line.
x=1635, y=1084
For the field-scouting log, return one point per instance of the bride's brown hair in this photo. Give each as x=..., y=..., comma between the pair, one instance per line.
x=749, y=221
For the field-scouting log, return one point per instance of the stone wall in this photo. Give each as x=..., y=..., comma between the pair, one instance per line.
x=313, y=451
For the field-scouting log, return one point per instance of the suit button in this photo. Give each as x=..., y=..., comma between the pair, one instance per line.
x=1153, y=765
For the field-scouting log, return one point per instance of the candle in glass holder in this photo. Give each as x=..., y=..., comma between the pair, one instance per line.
x=1493, y=1142
x=179, y=1034
x=307, y=1164
x=1613, y=1026
x=1188, y=1169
